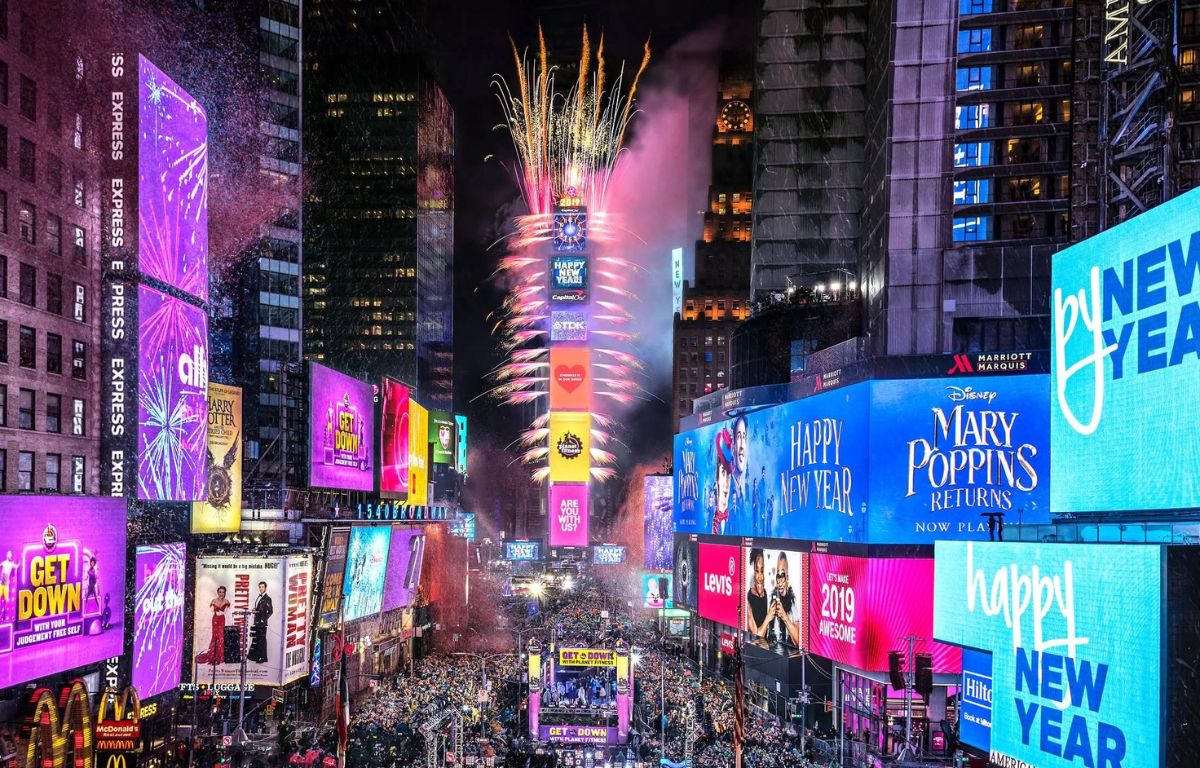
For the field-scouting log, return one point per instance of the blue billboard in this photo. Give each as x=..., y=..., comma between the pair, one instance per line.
x=947, y=452
x=522, y=550
x=796, y=471
x=366, y=571
x=608, y=554
x=1075, y=634
x=975, y=725
x=1125, y=320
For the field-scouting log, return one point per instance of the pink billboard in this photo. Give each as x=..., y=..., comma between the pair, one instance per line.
x=859, y=609
x=569, y=515
x=720, y=582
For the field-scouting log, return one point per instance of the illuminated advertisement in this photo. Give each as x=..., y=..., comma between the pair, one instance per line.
x=656, y=590
x=570, y=447
x=587, y=657
x=366, y=571
x=568, y=279
x=172, y=183
x=946, y=451
x=570, y=229
x=460, y=444
x=222, y=512
x=341, y=431
x=393, y=439
x=405, y=555
x=463, y=526
x=775, y=596
x=794, y=471
x=685, y=586
x=172, y=398
x=1075, y=636
x=159, y=584
x=568, y=515
x=570, y=378
x=720, y=578
x=566, y=325
x=262, y=599
x=522, y=550
x=608, y=554
x=860, y=608
x=335, y=571
x=657, y=537
x=62, y=584
x=1125, y=322
x=441, y=437
x=677, y=279
x=418, y=454
x=578, y=734
x=975, y=724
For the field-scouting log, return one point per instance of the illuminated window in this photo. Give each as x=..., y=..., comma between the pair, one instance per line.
x=1029, y=113
x=972, y=228
x=1029, y=75
x=974, y=40
x=974, y=78
x=77, y=471
x=972, y=116
x=1025, y=189
x=972, y=191
x=1187, y=97
x=1024, y=151
x=1064, y=110
x=972, y=154
x=1187, y=60
x=1029, y=37
x=969, y=7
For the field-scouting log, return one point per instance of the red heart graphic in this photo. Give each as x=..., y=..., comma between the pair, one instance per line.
x=569, y=377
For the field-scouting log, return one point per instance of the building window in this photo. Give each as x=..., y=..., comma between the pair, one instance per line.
x=54, y=116
x=972, y=154
x=3, y=341
x=1029, y=37
x=53, y=471
x=974, y=40
x=28, y=35
x=27, y=160
x=53, y=353
x=1029, y=113
x=969, y=7
x=972, y=228
x=1022, y=226
x=28, y=98
x=972, y=191
x=53, y=234
x=27, y=221
x=3, y=82
x=1024, y=151
x=3, y=276
x=78, y=417
x=3, y=22
x=80, y=190
x=27, y=347
x=1028, y=75
x=77, y=138
x=1025, y=189
x=1064, y=110
x=54, y=179
x=54, y=298
x=26, y=401
x=25, y=471
x=28, y=285
x=3, y=405
x=972, y=116
x=80, y=303
x=78, y=360
x=53, y=412
x=3, y=212
x=974, y=78
x=77, y=468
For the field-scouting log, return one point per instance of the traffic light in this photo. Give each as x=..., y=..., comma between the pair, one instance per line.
x=896, y=669
x=923, y=676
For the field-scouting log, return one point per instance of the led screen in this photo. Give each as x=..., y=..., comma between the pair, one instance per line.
x=405, y=555
x=441, y=437
x=62, y=604
x=522, y=550
x=687, y=572
x=172, y=398
x=335, y=571
x=656, y=590
x=720, y=578
x=222, y=512
x=566, y=325
x=460, y=444
x=608, y=554
x=159, y=584
x=1075, y=634
x=418, y=454
x=657, y=530
x=1125, y=320
x=568, y=515
x=366, y=571
x=975, y=725
x=570, y=447
x=775, y=596
x=570, y=229
x=568, y=279
x=341, y=431
x=172, y=183
x=570, y=378
x=393, y=439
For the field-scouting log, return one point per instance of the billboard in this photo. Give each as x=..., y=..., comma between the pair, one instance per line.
x=677, y=280
x=441, y=437
x=366, y=571
x=1126, y=332
x=272, y=595
x=222, y=512
x=393, y=439
x=335, y=571
x=685, y=585
x=568, y=515
x=570, y=229
x=568, y=279
x=775, y=596
x=860, y=608
x=160, y=573
x=522, y=550
x=570, y=378
x=944, y=452
x=657, y=530
x=172, y=398
x=578, y=734
x=570, y=447
x=587, y=657
x=405, y=554
x=720, y=579
x=608, y=554
x=341, y=431
x=975, y=724
x=567, y=325
x=62, y=584
x=460, y=444
x=418, y=454
x=1075, y=635
x=794, y=471
x=656, y=590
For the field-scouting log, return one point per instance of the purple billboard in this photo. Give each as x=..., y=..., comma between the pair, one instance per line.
x=172, y=183
x=578, y=734
x=658, y=540
x=62, y=584
x=158, y=618
x=405, y=554
x=341, y=431
x=172, y=398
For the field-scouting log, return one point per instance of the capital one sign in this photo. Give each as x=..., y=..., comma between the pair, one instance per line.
x=569, y=515
x=720, y=582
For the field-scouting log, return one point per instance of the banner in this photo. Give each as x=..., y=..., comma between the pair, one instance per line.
x=656, y=590
x=222, y=512
x=341, y=431
x=568, y=515
x=775, y=596
x=687, y=572
x=335, y=570
x=160, y=573
x=657, y=531
x=460, y=444
x=405, y=555
x=578, y=734
x=587, y=657
x=720, y=580
x=366, y=571
x=62, y=584
x=418, y=454
x=1075, y=633
x=441, y=436
x=975, y=726
x=393, y=440
x=570, y=378
x=570, y=447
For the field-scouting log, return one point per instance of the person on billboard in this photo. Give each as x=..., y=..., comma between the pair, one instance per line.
x=724, y=448
x=92, y=590
x=215, y=653
x=785, y=608
x=756, y=596
x=8, y=570
x=263, y=610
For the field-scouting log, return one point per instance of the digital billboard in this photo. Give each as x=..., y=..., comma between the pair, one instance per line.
x=570, y=378
x=366, y=571
x=570, y=447
x=1075, y=635
x=608, y=554
x=393, y=439
x=172, y=398
x=160, y=573
x=1125, y=320
x=720, y=578
x=272, y=595
x=522, y=550
x=794, y=471
x=441, y=437
x=860, y=608
x=687, y=572
x=405, y=555
x=567, y=325
x=335, y=571
x=656, y=590
x=62, y=584
x=570, y=229
x=568, y=279
x=775, y=596
x=341, y=431
x=944, y=452
x=975, y=725
x=657, y=529
x=460, y=443
x=222, y=512
x=568, y=515
x=418, y=454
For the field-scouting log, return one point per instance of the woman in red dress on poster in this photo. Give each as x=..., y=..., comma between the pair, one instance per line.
x=216, y=646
